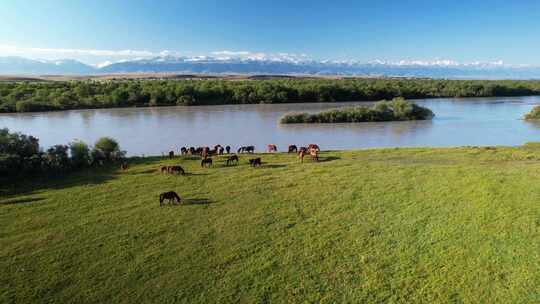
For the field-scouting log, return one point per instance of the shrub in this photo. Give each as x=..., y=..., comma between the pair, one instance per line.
x=394, y=110
x=108, y=149
x=56, y=158
x=533, y=114
x=80, y=154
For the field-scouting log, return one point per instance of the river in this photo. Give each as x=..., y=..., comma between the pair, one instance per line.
x=458, y=122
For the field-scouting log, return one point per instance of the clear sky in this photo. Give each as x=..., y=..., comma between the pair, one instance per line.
x=464, y=31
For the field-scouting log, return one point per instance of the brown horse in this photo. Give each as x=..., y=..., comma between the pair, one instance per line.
x=255, y=162
x=292, y=148
x=164, y=169
x=176, y=170
x=124, y=166
x=312, y=152
x=232, y=158
x=228, y=149
x=171, y=196
x=183, y=151
x=314, y=146
x=271, y=148
x=171, y=154
x=206, y=162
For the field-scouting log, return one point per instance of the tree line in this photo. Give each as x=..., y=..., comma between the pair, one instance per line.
x=21, y=154
x=398, y=109
x=50, y=96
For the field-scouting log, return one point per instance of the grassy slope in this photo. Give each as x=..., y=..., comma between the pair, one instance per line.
x=393, y=225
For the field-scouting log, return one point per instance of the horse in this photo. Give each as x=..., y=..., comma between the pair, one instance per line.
x=177, y=170
x=164, y=169
x=124, y=166
x=255, y=162
x=247, y=149
x=232, y=158
x=171, y=154
x=312, y=152
x=221, y=149
x=183, y=151
x=206, y=162
x=271, y=148
x=191, y=150
x=292, y=148
x=314, y=146
x=302, y=149
x=171, y=196
x=228, y=149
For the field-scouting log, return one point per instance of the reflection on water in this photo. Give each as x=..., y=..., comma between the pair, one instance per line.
x=486, y=121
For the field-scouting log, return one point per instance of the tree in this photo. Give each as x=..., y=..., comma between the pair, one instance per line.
x=108, y=149
x=80, y=154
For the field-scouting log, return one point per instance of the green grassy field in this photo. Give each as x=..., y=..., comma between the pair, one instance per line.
x=459, y=225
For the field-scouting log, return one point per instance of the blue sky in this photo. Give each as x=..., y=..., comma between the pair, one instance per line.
x=98, y=30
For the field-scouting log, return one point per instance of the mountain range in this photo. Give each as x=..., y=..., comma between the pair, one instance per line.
x=212, y=65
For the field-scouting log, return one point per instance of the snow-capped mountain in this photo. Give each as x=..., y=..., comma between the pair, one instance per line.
x=283, y=65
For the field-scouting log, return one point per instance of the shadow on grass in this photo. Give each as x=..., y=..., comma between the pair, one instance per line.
x=193, y=174
x=21, y=201
x=272, y=166
x=196, y=201
x=328, y=158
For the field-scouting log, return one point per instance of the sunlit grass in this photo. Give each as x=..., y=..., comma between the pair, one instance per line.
x=389, y=225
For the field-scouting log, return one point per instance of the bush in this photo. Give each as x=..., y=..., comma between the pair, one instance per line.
x=394, y=110
x=80, y=154
x=57, y=159
x=533, y=114
x=107, y=149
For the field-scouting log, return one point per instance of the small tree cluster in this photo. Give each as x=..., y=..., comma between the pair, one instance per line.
x=21, y=153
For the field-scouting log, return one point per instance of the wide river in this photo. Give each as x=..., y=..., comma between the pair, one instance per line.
x=458, y=122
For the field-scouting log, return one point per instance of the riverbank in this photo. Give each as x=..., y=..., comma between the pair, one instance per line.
x=431, y=225
x=36, y=96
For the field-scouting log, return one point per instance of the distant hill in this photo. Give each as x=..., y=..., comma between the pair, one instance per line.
x=209, y=65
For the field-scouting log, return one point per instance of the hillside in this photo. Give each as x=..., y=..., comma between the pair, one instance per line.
x=390, y=225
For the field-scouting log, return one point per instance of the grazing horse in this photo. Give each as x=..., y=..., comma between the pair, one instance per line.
x=302, y=149
x=221, y=149
x=171, y=154
x=206, y=162
x=164, y=169
x=183, y=151
x=247, y=149
x=124, y=166
x=176, y=169
x=232, y=158
x=314, y=146
x=171, y=196
x=255, y=162
x=271, y=148
x=228, y=149
x=314, y=154
x=191, y=150
x=293, y=148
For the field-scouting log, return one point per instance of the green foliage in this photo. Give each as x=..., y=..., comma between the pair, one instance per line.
x=47, y=96
x=80, y=154
x=533, y=114
x=107, y=149
x=394, y=110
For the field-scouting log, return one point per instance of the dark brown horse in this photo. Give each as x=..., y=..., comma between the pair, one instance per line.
x=246, y=149
x=221, y=150
x=164, y=169
x=228, y=149
x=271, y=148
x=176, y=170
x=232, y=158
x=206, y=162
x=171, y=196
x=293, y=148
x=183, y=151
x=171, y=154
x=124, y=166
x=255, y=162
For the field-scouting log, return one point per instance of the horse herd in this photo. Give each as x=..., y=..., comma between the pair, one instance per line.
x=206, y=160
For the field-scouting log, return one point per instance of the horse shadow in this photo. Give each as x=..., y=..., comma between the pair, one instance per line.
x=21, y=201
x=196, y=201
x=328, y=158
x=193, y=174
x=272, y=166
